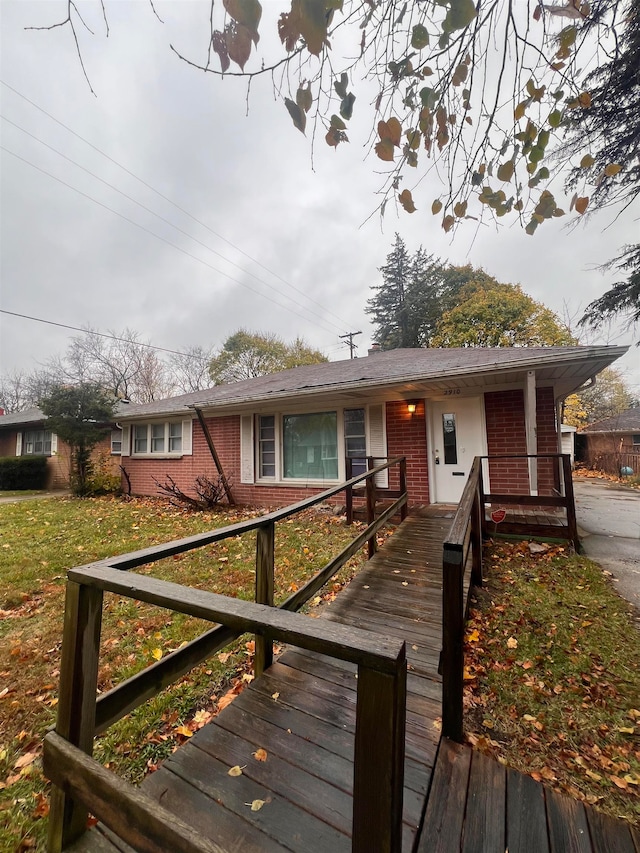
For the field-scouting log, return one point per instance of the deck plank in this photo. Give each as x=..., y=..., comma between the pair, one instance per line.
x=567, y=821
x=485, y=818
x=526, y=815
x=444, y=818
x=609, y=835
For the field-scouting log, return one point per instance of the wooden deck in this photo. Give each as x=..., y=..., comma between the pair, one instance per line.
x=301, y=711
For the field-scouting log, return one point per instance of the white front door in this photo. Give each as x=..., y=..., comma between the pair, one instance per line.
x=457, y=435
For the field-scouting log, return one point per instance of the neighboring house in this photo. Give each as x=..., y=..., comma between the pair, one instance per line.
x=284, y=436
x=26, y=434
x=613, y=443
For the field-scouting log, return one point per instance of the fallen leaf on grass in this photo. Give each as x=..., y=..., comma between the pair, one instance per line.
x=183, y=730
x=156, y=653
x=25, y=759
x=512, y=643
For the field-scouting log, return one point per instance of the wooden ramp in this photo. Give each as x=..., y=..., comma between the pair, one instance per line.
x=301, y=711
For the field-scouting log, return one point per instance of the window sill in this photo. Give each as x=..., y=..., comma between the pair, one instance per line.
x=156, y=455
x=297, y=483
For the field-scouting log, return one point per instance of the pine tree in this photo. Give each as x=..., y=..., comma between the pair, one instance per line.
x=389, y=308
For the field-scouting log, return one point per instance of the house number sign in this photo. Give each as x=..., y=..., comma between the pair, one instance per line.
x=451, y=391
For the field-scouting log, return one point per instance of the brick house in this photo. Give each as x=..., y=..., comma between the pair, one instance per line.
x=613, y=443
x=284, y=436
x=26, y=434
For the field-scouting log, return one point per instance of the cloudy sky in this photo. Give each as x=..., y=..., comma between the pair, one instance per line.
x=158, y=204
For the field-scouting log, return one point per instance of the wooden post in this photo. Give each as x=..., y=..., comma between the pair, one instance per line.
x=483, y=513
x=77, y=702
x=378, y=775
x=371, y=515
x=572, y=523
x=349, y=491
x=265, y=544
x=452, y=643
x=403, y=487
x=214, y=455
x=476, y=540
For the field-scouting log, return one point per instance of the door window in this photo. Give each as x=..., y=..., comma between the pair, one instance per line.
x=449, y=439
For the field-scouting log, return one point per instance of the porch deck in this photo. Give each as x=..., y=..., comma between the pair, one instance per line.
x=302, y=712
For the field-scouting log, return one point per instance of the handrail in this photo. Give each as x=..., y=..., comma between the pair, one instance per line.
x=464, y=540
x=464, y=534
x=381, y=686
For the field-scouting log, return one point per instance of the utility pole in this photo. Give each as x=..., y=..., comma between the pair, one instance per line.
x=352, y=346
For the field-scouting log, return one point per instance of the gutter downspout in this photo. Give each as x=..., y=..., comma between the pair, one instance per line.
x=214, y=454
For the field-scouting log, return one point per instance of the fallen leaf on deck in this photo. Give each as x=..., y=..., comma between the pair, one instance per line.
x=235, y=771
x=260, y=754
x=256, y=805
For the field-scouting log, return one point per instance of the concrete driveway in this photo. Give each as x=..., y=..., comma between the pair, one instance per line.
x=609, y=526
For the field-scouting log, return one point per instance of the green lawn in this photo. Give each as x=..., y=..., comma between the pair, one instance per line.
x=39, y=541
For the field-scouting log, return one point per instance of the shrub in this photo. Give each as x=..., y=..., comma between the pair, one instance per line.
x=23, y=472
x=102, y=479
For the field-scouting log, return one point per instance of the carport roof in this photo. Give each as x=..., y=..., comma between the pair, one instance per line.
x=397, y=373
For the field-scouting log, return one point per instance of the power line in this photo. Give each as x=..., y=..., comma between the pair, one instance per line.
x=170, y=201
x=162, y=239
x=161, y=218
x=90, y=332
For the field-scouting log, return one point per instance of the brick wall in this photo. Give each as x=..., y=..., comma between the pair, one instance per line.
x=407, y=436
x=504, y=414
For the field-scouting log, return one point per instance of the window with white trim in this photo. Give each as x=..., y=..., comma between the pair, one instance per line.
x=116, y=442
x=37, y=442
x=355, y=440
x=267, y=446
x=635, y=441
x=160, y=438
x=311, y=446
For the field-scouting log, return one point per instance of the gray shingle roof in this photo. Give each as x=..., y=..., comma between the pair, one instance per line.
x=377, y=371
x=628, y=421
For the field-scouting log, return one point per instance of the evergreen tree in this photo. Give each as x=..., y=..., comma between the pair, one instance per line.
x=81, y=415
x=389, y=307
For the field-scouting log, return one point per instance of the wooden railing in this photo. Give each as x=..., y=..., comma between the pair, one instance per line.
x=81, y=785
x=462, y=551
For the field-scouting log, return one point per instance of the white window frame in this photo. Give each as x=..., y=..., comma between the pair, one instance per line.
x=116, y=442
x=279, y=479
x=172, y=431
x=24, y=449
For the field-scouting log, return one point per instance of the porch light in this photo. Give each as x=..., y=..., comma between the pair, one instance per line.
x=411, y=407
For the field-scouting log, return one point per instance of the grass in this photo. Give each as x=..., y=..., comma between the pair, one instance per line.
x=18, y=493
x=39, y=541
x=553, y=683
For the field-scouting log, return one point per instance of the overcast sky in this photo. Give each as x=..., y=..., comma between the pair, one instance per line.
x=76, y=251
